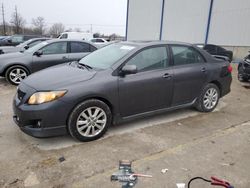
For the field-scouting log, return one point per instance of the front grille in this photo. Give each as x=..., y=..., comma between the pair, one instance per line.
x=20, y=94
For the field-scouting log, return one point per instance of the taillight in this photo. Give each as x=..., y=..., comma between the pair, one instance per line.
x=230, y=68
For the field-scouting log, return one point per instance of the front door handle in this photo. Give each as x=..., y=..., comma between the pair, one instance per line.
x=167, y=75
x=203, y=69
x=64, y=57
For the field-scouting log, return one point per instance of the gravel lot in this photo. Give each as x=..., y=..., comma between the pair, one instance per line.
x=185, y=142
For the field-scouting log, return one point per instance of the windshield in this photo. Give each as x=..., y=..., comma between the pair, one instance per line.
x=24, y=43
x=37, y=47
x=106, y=56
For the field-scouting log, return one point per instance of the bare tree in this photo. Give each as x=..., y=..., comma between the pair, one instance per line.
x=69, y=30
x=77, y=29
x=39, y=25
x=56, y=29
x=17, y=21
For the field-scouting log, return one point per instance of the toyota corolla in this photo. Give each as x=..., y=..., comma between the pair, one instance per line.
x=119, y=82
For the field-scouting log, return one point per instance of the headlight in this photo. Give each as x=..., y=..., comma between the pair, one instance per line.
x=43, y=97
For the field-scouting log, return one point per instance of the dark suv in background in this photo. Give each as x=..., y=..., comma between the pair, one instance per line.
x=217, y=51
x=16, y=39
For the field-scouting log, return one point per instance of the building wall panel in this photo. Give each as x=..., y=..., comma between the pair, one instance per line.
x=230, y=23
x=144, y=19
x=185, y=20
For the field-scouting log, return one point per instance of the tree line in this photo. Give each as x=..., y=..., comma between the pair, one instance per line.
x=18, y=25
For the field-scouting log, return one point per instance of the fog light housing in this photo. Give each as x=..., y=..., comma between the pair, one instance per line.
x=39, y=124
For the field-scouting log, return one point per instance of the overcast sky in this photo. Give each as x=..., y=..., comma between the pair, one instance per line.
x=107, y=16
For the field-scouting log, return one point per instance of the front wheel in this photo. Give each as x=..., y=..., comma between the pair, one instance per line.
x=208, y=99
x=89, y=120
x=16, y=74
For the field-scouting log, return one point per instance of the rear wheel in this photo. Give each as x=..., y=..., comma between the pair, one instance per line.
x=16, y=74
x=208, y=99
x=89, y=120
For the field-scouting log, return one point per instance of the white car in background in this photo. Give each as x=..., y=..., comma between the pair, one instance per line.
x=98, y=41
x=76, y=35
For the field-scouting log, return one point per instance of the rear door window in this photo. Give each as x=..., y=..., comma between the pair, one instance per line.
x=183, y=55
x=79, y=47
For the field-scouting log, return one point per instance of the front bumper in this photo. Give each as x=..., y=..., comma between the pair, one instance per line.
x=44, y=120
x=245, y=70
x=41, y=132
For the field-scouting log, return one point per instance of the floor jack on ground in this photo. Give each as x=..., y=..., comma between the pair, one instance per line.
x=128, y=178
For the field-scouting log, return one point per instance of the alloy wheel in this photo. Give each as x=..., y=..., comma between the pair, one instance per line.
x=91, y=121
x=16, y=75
x=210, y=98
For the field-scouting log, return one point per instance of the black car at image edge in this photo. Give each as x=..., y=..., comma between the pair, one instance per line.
x=244, y=69
x=117, y=83
x=217, y=51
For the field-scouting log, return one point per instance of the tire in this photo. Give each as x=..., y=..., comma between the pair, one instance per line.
x=89, y=120
x=208, y=99
x=16, y=74
x=241, y=78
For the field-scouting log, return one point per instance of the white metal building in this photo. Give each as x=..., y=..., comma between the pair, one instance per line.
x=221, y=22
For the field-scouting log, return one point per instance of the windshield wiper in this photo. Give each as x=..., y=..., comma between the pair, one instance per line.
x=84, y=65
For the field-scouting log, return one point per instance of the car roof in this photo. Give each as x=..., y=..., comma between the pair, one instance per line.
x=70, y=40
x=26, y=35
x=39, y=38
x=150, y=43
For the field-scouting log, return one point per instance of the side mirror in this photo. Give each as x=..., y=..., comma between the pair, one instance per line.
x=38, y=53
x=129, y=69
x=26, y=47
x=9, y=41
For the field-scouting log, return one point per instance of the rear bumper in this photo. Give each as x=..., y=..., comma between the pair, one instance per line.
x=226, y=85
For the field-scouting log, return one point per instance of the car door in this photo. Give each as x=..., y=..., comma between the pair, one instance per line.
x=190, y=73
x=53, y=54
x=151, y=87
x=79, y=49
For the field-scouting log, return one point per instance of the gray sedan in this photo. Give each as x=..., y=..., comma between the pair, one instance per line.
x=116, y=83
x=17, y=66
x=21, y=47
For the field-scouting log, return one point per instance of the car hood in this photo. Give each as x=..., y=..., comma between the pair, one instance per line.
x=58, y=77
x=9, y=49
x=12, y=56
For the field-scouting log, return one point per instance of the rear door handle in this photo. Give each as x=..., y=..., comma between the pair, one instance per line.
x=64, y=57
x=167, y=75
x=203, y=69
